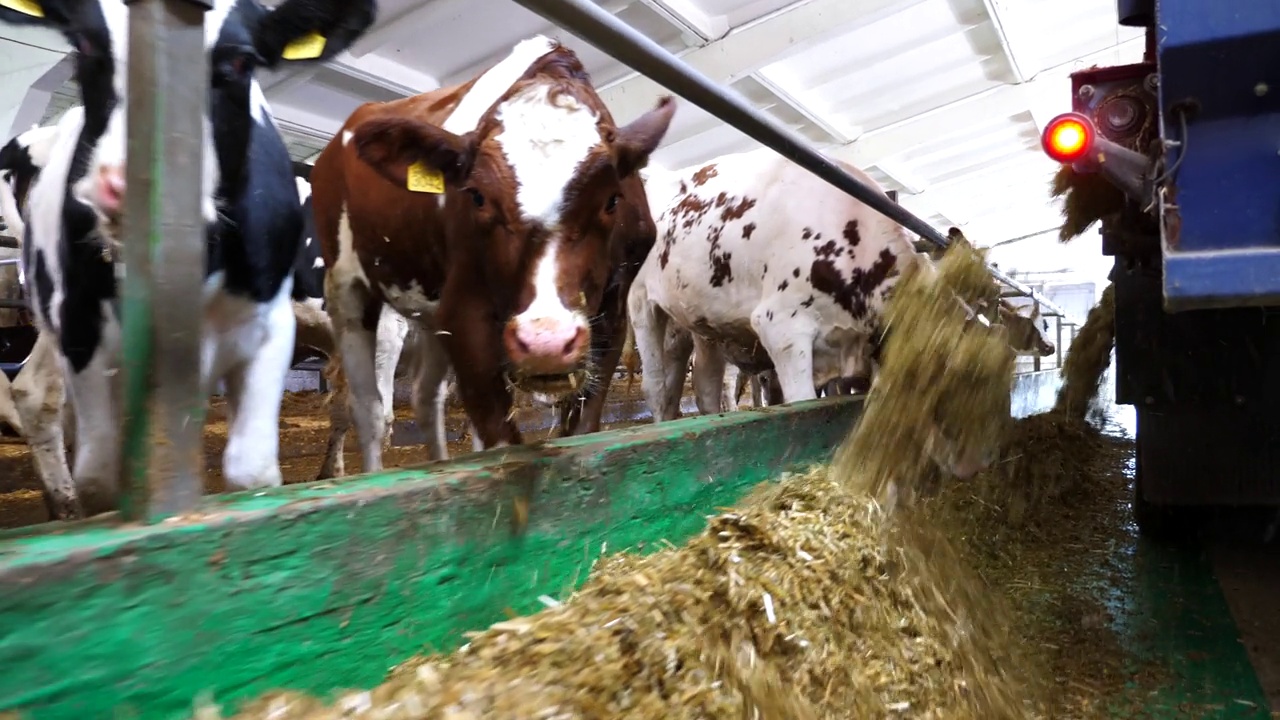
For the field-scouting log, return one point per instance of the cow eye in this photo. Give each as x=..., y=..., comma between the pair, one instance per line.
x=234, y=64
x=476, y=198
x=612, y=204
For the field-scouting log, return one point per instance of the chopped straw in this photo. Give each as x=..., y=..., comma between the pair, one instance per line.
x=813, y=599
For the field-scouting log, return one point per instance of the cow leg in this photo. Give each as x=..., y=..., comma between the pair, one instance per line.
x=757, y=392
x=334, y=463
x=790, y=346
x=388, y=344
x=355, y=320
x=677, y=347
x=8, y=411
x=255, y=387
x=39, y=395
x=770, y=388
x=96, y=468
x=431, y=371
x=708, y=376
x=731, y=387
x=649, y=329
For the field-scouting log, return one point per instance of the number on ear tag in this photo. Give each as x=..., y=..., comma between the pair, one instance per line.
x=28, y=7
x=424, y=179
x=307, y=47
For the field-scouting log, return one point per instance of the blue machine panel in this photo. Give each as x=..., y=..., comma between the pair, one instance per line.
x=1221, y=59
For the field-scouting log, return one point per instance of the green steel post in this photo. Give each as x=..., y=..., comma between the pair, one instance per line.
x=162, y=464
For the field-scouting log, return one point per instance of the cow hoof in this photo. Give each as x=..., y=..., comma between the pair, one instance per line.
x=250, y=481
x=65, y=507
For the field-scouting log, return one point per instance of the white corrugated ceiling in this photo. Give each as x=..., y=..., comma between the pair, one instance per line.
x=942, y=100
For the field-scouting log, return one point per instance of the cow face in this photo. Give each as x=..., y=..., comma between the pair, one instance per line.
x=240, y=36
x=1028, y=331
x=532, y=195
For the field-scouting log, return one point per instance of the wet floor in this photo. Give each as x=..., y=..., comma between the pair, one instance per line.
x=1242, y=549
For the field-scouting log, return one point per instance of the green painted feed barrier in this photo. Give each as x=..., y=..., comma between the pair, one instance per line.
x=322, y=585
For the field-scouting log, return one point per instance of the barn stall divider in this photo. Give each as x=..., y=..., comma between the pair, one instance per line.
x=318, y=585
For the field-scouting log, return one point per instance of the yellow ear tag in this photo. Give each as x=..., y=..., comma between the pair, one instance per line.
x=28, y=7
x=423, y=179
x=307, y=47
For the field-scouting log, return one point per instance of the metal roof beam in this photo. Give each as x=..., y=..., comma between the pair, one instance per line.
x=371, y=70
x=836, y=130
x=36, y=99
x=750, y=47
x=1017, y=40
x=388, y=28
x=698, y=27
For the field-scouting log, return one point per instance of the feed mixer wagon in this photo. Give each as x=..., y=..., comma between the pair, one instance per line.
x=1178, y=156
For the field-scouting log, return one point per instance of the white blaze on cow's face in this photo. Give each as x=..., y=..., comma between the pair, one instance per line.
x=545, y=140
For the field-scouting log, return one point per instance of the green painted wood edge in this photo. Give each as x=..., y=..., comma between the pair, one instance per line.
x=1172, y=611
x=316, y=585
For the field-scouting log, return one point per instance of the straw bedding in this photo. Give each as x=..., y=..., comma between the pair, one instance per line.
x=854, y=591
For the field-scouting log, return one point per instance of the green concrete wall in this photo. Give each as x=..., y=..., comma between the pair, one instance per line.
x=318, y=586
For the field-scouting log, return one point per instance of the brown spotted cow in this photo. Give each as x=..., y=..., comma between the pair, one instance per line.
x=499, y=215
x=762, y=264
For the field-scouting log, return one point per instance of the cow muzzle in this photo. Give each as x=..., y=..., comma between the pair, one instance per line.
x=548, y=354
x=108, y=192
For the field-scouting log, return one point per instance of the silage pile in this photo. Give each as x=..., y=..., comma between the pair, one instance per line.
x=809, y=600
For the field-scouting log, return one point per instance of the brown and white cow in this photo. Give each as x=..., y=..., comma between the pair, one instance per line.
x=764, y=265
x=495, y=214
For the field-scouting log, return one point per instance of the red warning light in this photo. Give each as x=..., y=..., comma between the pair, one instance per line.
x=1068, y=137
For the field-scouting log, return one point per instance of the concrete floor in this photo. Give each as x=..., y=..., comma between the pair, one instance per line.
x=1243, y=547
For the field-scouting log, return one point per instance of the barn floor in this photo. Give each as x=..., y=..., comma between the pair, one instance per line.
x=304, y=430
x=1203, y=611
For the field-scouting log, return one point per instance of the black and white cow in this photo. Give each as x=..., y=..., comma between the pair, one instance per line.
x=34, y=404
x=250, y=205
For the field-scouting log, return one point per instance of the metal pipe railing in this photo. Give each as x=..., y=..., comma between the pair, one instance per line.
x=627, y=45
x=162, y=463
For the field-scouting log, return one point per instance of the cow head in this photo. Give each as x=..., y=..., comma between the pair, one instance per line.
x=240, y=36
x=21, y=160
x=531, y=196
x=1028, y=330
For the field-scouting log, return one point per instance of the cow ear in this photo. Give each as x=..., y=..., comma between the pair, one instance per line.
x=634, y=143
x=413, y=154
x=49, y=13
x=311, y=30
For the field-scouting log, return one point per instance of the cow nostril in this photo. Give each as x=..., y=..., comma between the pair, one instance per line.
x=572, y=345
x=515, y=343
